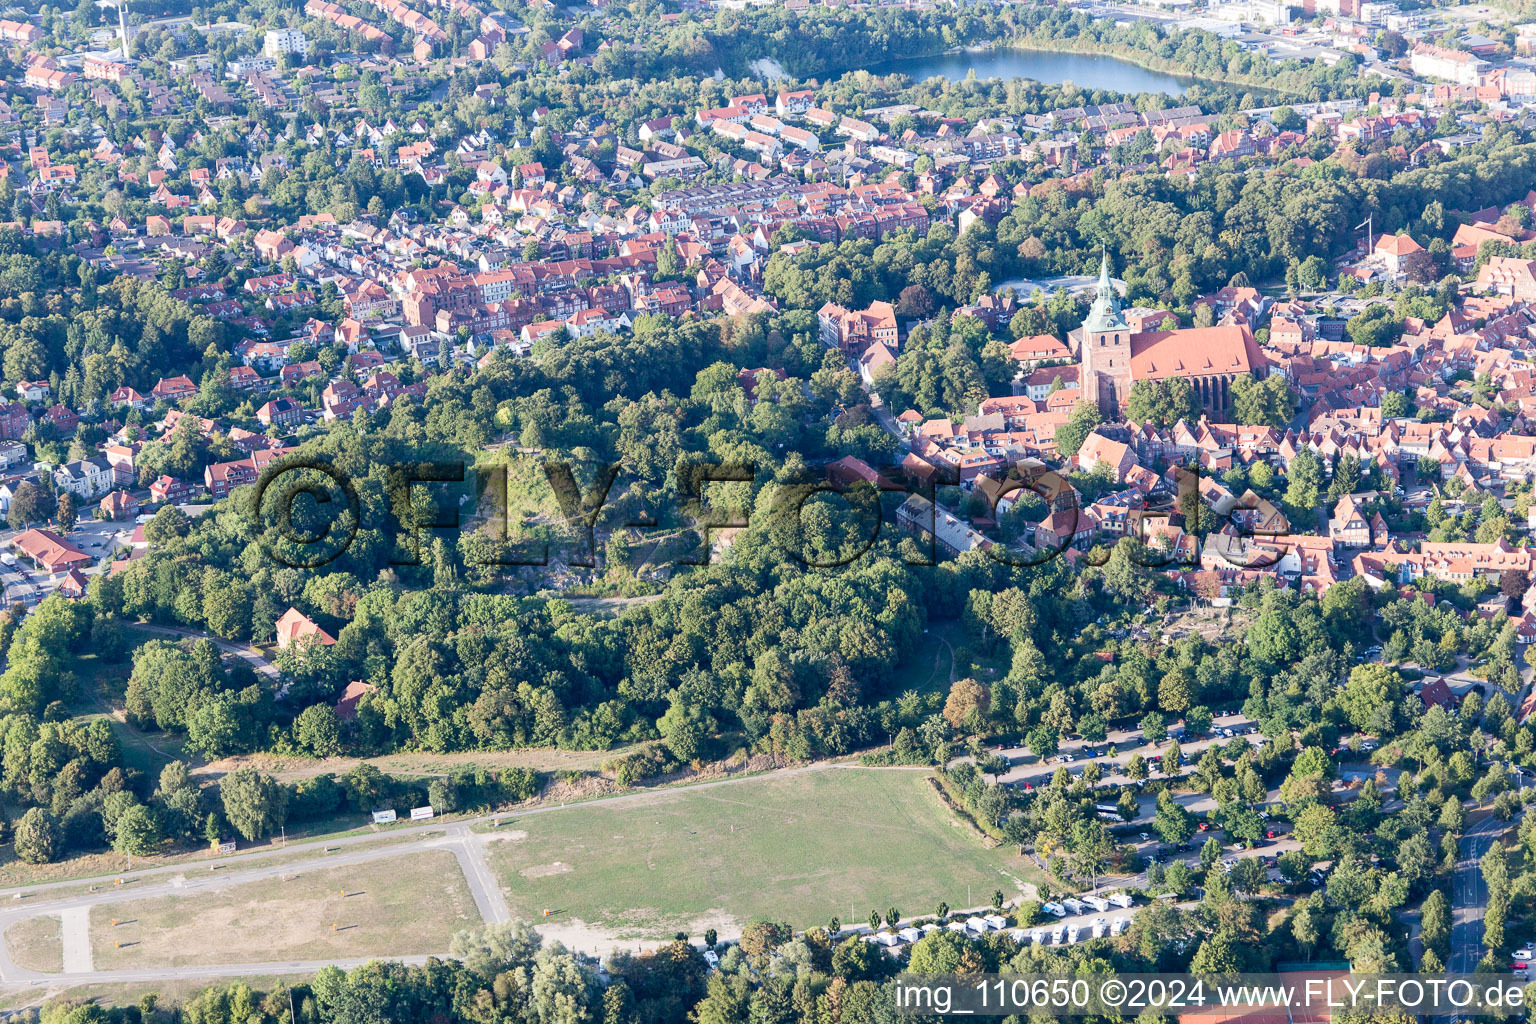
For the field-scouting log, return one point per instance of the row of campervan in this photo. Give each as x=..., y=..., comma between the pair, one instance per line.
x=1061, y=934
x=1072, y=907
x=979, y=924
x=1067, y=934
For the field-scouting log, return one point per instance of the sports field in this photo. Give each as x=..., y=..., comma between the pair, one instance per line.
x=408, y=904
x=797, y=848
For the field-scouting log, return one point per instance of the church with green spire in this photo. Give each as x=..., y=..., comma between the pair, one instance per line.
x=1113, y=355
x=1105, y=314
x=1106, y=348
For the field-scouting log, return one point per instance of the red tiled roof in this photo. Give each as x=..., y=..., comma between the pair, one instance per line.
x=49, y=550
x=295, y=626
x=1223, y=349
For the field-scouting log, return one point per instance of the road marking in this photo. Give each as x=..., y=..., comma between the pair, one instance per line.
x=482, y=881
x=76, y=932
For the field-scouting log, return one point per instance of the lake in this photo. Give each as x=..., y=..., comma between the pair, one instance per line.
x=1086, y=70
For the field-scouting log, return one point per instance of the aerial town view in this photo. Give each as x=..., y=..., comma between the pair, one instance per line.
x=766, y=511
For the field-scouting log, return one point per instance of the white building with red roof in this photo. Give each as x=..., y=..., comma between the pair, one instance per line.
x=296, y=627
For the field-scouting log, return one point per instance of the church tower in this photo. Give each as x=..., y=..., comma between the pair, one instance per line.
x=122, y=27
x=1106, y=355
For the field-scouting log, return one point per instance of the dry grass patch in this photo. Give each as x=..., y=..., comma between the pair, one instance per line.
x=105, y=868
x=404, y=905
x=290, y=768
x=37, y=943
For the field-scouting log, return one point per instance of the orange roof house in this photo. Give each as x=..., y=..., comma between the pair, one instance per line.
x=346, y=707
x=1037, y=347
x=295, y=626
x=74, y=585
x=50, y=551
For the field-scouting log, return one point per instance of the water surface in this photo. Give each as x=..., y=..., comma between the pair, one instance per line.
x=1087, y=70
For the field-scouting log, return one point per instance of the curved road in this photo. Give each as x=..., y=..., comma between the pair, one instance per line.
x=245, y=652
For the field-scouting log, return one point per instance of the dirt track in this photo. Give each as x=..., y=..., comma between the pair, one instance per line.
x=291, y=768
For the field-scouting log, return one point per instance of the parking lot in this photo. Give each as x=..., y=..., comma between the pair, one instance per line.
x=27, y=584
x=1026, y=771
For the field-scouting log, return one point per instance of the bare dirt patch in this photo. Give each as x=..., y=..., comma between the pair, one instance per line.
x=565, y=791
x=506, y=837
x=577, y=934
x=545, y=870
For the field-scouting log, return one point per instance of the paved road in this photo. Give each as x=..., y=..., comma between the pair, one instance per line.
x=1470, y=894
x=190, y=881
x=214, y=875
x=244, y=652
x=1203, y=803
x=469, y=848
x=209, y=971
x=18, y=588
x=424, y=832
x=1127, y=742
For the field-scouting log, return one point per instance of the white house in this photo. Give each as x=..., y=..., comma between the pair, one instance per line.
x=592, y=321
x=86, y=479
x=285, y=40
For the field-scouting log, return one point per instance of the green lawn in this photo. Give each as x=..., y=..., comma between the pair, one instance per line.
x=929, y=668
x=101, y=687
x=141, y=751
x=799, y=849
